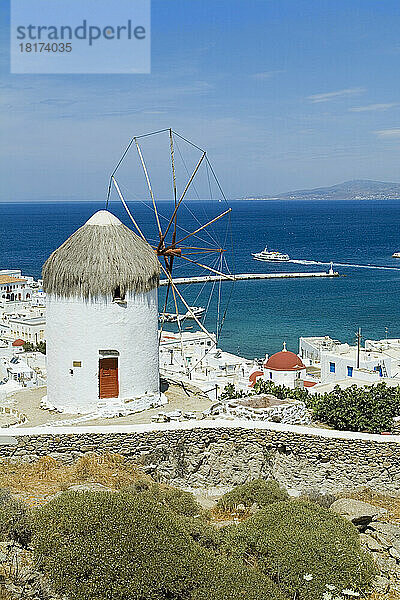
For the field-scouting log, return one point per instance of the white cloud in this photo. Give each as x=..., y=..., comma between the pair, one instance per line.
x=371, y=107
x=266, y=74
x=388, y=133
x=326, y=97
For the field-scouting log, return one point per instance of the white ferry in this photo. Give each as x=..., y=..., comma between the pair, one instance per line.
x=396, y=255
x=270, y=255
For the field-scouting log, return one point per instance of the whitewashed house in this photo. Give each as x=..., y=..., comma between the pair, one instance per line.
x=30, y=329
x=14, y=289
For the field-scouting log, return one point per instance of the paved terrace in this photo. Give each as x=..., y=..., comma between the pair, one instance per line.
x=180, y=397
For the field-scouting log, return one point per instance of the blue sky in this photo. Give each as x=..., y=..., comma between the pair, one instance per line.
x=283, y=94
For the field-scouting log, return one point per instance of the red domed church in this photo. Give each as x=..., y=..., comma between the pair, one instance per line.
x=282, y=368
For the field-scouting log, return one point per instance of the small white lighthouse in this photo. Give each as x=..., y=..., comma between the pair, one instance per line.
x=102, y=320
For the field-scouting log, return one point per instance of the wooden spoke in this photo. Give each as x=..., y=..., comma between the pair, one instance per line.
x=196, y=252
x=175, y=290
x=197, y=248
x=164, y=309
x=162, y=239
x=149, y=186
x=223, y=275
x=171, y=143
x=127, y=209
x=204, y=226
x=186, y=367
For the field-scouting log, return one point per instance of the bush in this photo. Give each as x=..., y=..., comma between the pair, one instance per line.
x=258, y=491
x=369, y=408
x=280, y=391
x=40, y=347
x=230, y=392
x=15, y=521
x=294, y=539
x=98, y=545
x=183, y=505
x=180, y=502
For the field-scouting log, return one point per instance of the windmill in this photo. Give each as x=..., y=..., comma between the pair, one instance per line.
x=189, y=245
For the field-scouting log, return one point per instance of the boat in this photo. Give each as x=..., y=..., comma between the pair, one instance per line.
x=270, y=255
x=195, y=311
x=396, y=255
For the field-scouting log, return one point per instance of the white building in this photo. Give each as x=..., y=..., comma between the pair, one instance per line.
x=310, y=348
x=102, y=320
x=30, y=330
x=346, y=365
x=194, y=357
x=14, y=289
x=346, y=362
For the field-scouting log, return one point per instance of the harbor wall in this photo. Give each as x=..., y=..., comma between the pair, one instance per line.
x=221, y=453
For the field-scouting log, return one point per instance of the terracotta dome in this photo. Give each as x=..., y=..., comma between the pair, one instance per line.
x=284, y=361
x=17, y=343
x=254, y=376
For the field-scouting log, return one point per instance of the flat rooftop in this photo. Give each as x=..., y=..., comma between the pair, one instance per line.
x=29, y=320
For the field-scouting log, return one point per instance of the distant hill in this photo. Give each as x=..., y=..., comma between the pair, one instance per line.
x=357, y=189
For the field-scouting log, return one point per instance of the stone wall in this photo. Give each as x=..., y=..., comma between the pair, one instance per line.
x=295, y=413
x=226, y=453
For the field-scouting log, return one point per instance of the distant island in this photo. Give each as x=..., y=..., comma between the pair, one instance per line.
x=357, y=189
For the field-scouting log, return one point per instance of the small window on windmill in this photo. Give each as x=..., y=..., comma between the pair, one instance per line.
x=118, y=296
x=76, y=363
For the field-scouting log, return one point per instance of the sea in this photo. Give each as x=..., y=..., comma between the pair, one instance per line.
x=253, y=317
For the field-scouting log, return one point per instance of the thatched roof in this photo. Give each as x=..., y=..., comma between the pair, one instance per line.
x=99, y=257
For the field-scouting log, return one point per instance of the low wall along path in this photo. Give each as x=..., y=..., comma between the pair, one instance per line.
x=212, y=453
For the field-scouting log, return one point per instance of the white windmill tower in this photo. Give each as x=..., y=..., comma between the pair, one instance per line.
x=102, y=319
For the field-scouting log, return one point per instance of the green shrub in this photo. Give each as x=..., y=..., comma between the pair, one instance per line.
x=99, y=545
x=230, y=392
x=370, y=408
x=179, y=501
x=15, y=521
x=228, y=579
x=280, y=391
x=258, y=491
x=290, y=540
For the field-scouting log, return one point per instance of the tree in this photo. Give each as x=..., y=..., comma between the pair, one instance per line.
x=230, y=393
x=41, y=347
x=28, y=347
x=370, y=408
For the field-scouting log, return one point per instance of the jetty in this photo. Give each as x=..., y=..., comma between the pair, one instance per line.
x=247, y=276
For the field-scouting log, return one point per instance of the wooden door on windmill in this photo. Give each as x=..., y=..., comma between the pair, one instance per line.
x=108, y=378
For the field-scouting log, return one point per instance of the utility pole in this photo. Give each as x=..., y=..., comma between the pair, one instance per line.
x=358, y=336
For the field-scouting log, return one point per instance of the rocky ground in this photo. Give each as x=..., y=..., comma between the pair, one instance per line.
x=379, y=537
x=377, y=520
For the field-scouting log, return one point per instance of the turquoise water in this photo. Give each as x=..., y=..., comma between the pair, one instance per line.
x=261, y=314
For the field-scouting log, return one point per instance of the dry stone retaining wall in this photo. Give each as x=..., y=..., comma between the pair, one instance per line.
x=226, y=453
